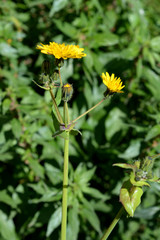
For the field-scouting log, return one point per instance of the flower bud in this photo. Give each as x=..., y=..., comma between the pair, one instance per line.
x=55, y=75
x=67, y=90
x=59, y=62
x=46, y=66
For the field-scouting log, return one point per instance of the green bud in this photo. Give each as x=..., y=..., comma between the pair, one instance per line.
x=46, y=67
x=67, y=90
x=59, y=62
x=55, y=75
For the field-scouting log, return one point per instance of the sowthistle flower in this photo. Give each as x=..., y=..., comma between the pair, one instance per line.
x=114, y=84
x=61, y=50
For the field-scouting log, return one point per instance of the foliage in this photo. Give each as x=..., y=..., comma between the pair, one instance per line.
x=120, y=37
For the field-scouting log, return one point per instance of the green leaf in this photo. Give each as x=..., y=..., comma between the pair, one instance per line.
x=16, y=128
x=153, y=132
x=7, y=228
x=92, y=218
x=147, y=213
x=153, y=82
x=125, y=165
x=5, y=198
x=73, y=222
x=7, y=51
x=57, y=6
x=94, y=193
x=130, y=197
x=132, y=151
x=53, y=173
x=6, y=105
x=114, y=122
x=37, y=168
x=103, y=39
x=131, y=52
x=66, y=28
x=59, y=96
x=82, y=176
x=54, y=221
x=155, y=44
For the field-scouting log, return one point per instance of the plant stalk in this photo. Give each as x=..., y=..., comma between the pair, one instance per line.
x=65, y=188
x=113, y=224
x=89, y=110
x=56, y=108
x=60, y=77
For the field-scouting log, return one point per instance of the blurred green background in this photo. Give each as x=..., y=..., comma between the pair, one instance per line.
x=121, y=37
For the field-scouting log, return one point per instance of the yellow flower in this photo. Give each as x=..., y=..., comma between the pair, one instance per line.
x=113, y=84
x=62, y=50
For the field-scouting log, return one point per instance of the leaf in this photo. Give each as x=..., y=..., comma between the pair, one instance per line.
x=132, y=151
x=125, y=165
x=55, y=175
x=103, y=39
x=66, y=28
x=155, y=44
x=54, y=221
x=16, y=128
x=7, y=51
x=36, y=167
x=62, y=134
x=92, y=218
x=82, y=176
x=94, y=193
x=147, y=213
x=7, y=228
x=57, y=6
x=153, y=132
x=153, y=83
x=59, y=96
x=5, y=198
x=131, y=52
x=73, y=222
x=130, y=197
x=114, y=122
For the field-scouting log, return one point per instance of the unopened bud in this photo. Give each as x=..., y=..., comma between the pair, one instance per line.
x=46, y=66
x=55, y=75
x=59, y=62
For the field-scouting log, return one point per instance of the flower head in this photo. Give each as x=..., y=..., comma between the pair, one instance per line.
x=67, y=91
x=113, y=84
x=62, y=50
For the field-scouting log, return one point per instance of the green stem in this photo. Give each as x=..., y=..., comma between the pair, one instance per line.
x=60, y=77
x=65, y=188
x=89, y=110
x=56, y=108
x=66, y=114
x=113, y=224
